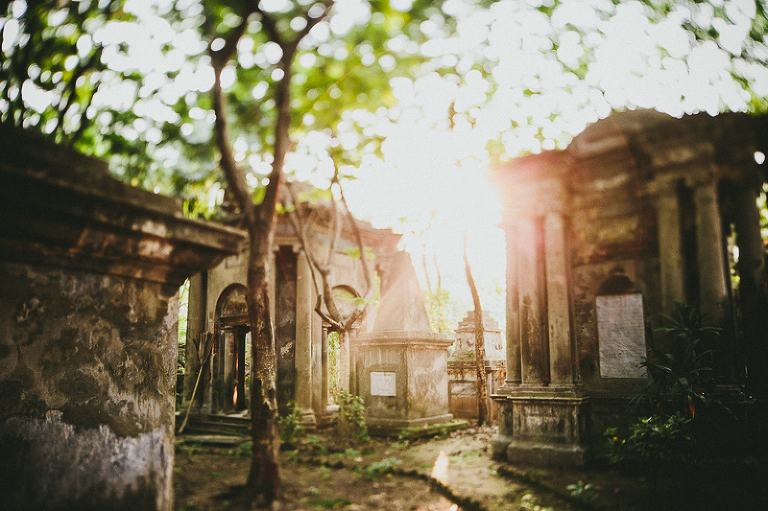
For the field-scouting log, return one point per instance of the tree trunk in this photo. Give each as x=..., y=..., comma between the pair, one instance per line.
x=263, y=478
x=482, y=392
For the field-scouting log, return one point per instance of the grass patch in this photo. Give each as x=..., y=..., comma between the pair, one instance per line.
x=334, y=503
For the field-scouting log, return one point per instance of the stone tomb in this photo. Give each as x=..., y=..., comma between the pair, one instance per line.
x=402, y=372
x=89, y=274
x=640, y=210
x=217, y=306
x=462, y=369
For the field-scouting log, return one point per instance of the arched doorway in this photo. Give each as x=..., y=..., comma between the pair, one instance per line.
x=231, y=357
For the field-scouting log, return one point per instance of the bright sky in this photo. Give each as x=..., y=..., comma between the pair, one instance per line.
x=433, y=172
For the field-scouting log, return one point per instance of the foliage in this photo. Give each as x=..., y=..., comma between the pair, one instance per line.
x=677, y=379
x=528, y=502
x=329, y=503
x=679, y=411
x=440, y=316
x=290, y=425
x=244, y=450
x=653, y=441
x=584, y=493
x=334, y=364
x=316, y=446
x=352, y=418
x=129, y=81
x=379, y=468
x=190, y=450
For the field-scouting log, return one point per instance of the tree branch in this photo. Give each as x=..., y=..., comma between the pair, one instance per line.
x=234, y=175
x=363, y=261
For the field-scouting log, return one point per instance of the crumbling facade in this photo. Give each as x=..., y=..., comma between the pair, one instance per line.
x=217, y=307
x=639, y=211
x=90, y=270
x=401, y=370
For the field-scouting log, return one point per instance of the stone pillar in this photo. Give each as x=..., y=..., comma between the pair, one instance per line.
x=319, y=400
x=513, y=312
x=561, y=362
x=670, y=245
x=325, y=375
x=90, y=270
x=752, y=293
x=304, y=312
x=534, y=360
x=713, y=291
x=196, y=314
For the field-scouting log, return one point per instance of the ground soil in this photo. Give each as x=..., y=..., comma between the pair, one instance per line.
x=355, y=478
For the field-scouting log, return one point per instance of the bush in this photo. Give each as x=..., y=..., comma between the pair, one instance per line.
x=352, y=418
x=653, y=441
x=290, y=426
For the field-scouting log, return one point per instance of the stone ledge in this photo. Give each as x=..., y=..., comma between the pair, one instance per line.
x=403, y=339
x=101, y=225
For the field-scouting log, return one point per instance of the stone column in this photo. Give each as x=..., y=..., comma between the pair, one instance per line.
x=752, y=293
x=713, y=291
x=670, y=245
x=561, y=363
x=325, y=393
x=319, y=400
x=532, y=334
x=303, y=398
x=513, y=312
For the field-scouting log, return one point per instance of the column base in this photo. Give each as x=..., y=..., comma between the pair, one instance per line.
x=507, y=389
x=543, y=426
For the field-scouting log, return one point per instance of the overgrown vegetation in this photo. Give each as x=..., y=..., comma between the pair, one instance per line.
x=334, y=364
x=291, y=429
x=352, y=418
x=679, y=414
x=680, y=376
x=584, y=493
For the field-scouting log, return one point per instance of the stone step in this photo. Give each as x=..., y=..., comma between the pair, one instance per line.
x=216, y=425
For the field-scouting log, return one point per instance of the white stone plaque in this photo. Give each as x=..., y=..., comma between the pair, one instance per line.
x=383, y=384
x=621, y=334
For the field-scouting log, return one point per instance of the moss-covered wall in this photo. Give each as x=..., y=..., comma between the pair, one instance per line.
x=90, y=269
x=86, y=390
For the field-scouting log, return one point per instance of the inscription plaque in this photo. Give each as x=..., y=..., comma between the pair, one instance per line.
x=383, y=384
x=621, y=335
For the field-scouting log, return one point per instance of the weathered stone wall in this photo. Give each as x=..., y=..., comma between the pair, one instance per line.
x=89, y=274
x=87, y=380
x=635, y=214
x=301, y=336
x=416, y=365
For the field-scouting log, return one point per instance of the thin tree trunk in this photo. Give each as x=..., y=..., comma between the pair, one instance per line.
x=264, y=476
x=482, y=393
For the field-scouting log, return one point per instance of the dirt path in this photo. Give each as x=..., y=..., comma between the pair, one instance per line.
x=393, y=476
x=204, y=477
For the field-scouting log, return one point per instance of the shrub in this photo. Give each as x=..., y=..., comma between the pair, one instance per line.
x=352, y=418
x=290, y=426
